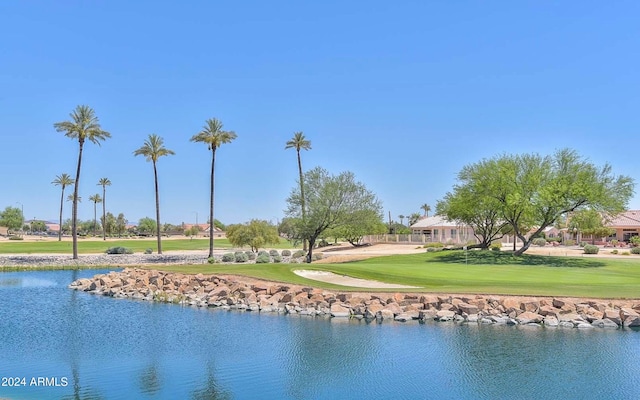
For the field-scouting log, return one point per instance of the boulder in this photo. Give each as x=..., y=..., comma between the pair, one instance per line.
x=564, y=305
x=529, y=317
x=468, y=308
x=530, y=306
x=605, y=323
x=394, y=308
x=632, y=322
x=550, y=321
x=444, y=315
x=339, y=310
x=613, y=315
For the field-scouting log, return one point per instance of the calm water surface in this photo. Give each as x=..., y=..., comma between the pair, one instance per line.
x=121, y=349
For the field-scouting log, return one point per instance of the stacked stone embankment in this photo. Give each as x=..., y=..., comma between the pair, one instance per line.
x=246, y=294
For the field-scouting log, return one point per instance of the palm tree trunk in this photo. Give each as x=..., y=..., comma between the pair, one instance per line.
x=104, y=217
x=74, y=213
x=155, y=175
x=95, y=219
x=60, y=226
x=213, y=163
x=304, y=240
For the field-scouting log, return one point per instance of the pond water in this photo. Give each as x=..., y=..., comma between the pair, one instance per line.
x=92, y=347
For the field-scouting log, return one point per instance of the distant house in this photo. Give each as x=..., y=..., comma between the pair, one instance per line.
x=626, y=225
x=53, y=227
x=204, y=229
x=439, y=229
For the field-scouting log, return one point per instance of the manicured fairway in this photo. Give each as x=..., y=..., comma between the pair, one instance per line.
x=481, y=273
x=99, y=246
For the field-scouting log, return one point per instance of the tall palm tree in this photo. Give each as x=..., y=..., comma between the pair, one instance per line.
x=299, y=142
x=152, y=150
x=213, y=136
x=401, y=219
x=104, y=182
x=426, y=209
x=63, y=181
x=96, y=199
x=84, y=125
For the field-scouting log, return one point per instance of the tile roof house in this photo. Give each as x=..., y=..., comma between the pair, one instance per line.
x=439, y=229
x=626, y=225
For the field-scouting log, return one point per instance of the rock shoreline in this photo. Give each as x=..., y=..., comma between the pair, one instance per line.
x=92, y=260
x=228, y=292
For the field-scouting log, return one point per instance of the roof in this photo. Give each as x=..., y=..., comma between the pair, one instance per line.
x=627, y=218
x=435, y=221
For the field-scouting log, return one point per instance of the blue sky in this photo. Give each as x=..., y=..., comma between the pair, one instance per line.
x=402, y=94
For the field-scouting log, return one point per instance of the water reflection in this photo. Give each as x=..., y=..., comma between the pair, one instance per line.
x=210, y=389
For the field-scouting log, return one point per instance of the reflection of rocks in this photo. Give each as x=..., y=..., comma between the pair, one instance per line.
x=250, y=295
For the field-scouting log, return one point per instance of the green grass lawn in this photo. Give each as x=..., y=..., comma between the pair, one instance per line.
x=95, y=246
x=481, y=273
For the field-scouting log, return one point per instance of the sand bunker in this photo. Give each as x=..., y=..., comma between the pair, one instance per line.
x=330, y=277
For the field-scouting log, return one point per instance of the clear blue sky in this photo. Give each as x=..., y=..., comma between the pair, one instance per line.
x=403, y=94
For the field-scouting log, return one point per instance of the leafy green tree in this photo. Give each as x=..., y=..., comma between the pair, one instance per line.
x=413, y=218
x=108, y=224
x=468, y=205
x=589, y=222
x=84, y=125
x=359, y=224
x=104, y=182
x=426, y=208
x=219, y=225
x=62, y=180
x=38, y=226
x=331, y=202
x=152, y=150
x=11, y=218
x=530, y=190
x=213, y=136
x=299, y=142
x=121, y=224
x=287, y=228
x=194, y=230
x=95, y=199
x=256, y=234
x=147, y=225
x=397, y=228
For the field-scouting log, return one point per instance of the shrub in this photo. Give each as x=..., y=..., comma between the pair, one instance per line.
x=317, y=256
x=119, y=250
x=241, y=257
x=614, y=251
x=432, y=249
x=228, y=257
x=635, y=241
x=433, y=245
x=496, y=247
x=625, y=253
x=582, y=244
x=263, y=259
x=591, y=249
x=286, y=253
x=569, y=242
x=262, y=253
x=15, y=237
x=298, y=254
x=614, y=242
x=539, y=242
x=211, y=260
x=273, y=253
x=277, y=259
x=250, y=255
x=148, y=251
x=635, y=250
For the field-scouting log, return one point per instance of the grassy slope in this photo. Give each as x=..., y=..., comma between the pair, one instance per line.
x=97, y=246
x=485, y=273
